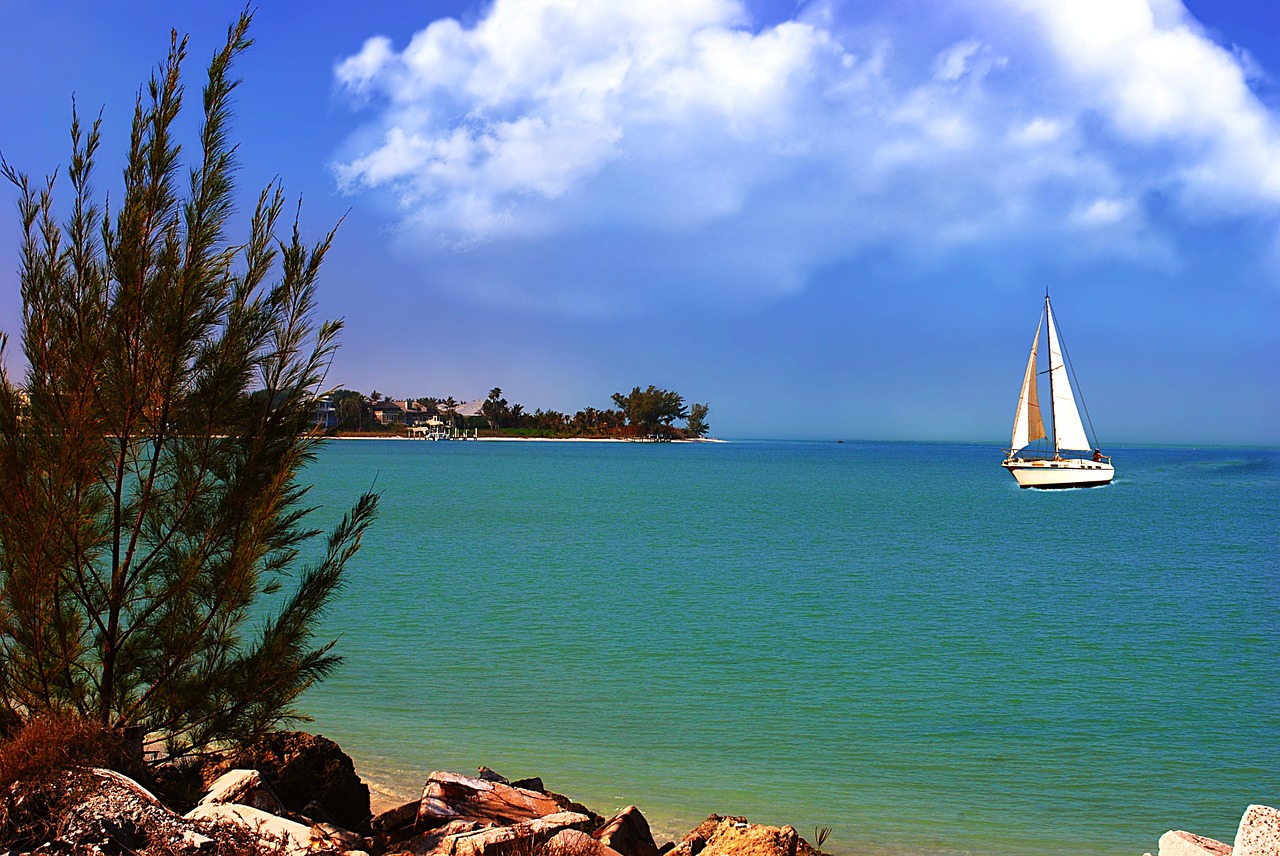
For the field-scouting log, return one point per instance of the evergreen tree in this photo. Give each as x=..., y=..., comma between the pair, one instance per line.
x=696, y=423
x=150, y=507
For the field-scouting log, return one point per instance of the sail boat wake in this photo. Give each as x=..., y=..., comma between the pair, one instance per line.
x=1036, y=467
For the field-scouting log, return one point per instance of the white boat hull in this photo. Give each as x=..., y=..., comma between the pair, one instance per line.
x=1072, y=472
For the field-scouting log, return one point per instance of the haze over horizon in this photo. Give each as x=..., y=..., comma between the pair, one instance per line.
x=826, y=219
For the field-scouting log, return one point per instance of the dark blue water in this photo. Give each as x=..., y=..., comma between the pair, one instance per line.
x=892, y=640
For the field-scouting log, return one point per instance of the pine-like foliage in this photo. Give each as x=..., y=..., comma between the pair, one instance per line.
x=150, y=495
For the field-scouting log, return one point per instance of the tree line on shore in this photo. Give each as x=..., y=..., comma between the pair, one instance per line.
x=649, y=411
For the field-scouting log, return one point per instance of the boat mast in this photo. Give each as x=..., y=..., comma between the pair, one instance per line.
x=1053, y=410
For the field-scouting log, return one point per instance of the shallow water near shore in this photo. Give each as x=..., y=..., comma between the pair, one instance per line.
x=888, y=639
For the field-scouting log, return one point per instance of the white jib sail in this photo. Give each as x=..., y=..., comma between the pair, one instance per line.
x=1068, y=431
x=1027, y=424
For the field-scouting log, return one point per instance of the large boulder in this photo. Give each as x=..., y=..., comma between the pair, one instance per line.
x=449, y=796
x=111, y=813
x=244, y=787
x=474, y=838
x=395, y=824
x=696, y=841
x=628, y=833
x=734, y=836
x=313, y=778
x=274, y=832
x=571, y=842
x=1176, y=842
x=1259, y=832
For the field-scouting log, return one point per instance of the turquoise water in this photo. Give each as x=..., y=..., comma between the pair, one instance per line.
x=892, y=640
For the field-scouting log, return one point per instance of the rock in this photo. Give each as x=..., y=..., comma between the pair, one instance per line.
x=533, y=783
x=1259, y=832
x=733, y=836
x=628, y=833
x=448, y=796
x=493, y=840
x=1175, y=842
x=490, y=776
x=195, y=841
x=693, y=843
x=244, y=787
x=432, y=840
x=567, y=804
x=395, y=824
x=326, y=836
x=752, y=840
x=302, y=769
x=112, y=813
x=273, y=831
x=571, y=842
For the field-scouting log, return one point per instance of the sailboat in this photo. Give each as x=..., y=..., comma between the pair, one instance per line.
x=1069, y=463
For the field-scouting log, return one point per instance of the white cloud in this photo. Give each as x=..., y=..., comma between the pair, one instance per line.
x=1104, y=212
x=953, y=63
x=1149, y=68
x=739, y=158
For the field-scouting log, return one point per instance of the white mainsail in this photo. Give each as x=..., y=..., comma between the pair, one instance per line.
x=1068, y=431
x=1027, y=423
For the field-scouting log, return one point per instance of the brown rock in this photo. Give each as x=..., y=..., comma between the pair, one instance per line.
x=694, y=843
x=628, y=833
x=1175, y=842
x=448, y=796
x=454, y=839
x=733, y=836
x=312, y=776
x=395, y=824
x=326, y=836
x=1259, y=832
x=751, y=839
x=433, y=840
x=571, y=842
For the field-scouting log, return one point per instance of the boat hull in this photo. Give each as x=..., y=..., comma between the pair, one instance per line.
x=1047, y=475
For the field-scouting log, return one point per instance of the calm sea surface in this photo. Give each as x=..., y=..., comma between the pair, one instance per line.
x=891, y=640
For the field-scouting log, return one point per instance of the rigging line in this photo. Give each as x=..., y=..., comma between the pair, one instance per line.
x=1066, y=358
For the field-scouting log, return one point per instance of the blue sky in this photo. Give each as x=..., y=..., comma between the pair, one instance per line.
x=826, y=219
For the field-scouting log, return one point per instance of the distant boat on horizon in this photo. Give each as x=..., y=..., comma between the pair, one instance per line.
x=1068, y=463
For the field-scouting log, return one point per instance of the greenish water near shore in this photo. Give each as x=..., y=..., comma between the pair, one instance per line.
x=888, y=639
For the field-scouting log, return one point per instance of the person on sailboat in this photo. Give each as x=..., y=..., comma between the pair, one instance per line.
x=1097, y=455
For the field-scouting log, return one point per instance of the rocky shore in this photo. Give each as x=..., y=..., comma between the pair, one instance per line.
x=295, y=794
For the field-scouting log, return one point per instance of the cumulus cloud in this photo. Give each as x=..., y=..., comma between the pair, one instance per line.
x=558, y=154
x=1148, y=67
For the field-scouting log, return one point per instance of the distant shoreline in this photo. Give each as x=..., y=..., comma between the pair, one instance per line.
x=521, y=439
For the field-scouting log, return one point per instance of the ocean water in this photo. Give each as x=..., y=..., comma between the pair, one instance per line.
x=890, y=640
